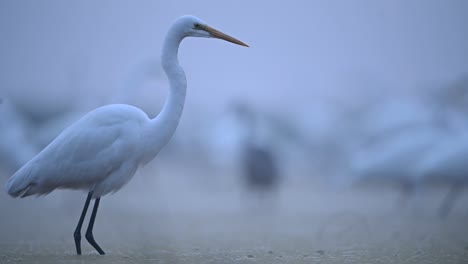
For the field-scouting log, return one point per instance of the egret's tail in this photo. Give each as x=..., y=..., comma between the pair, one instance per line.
x=19, y=185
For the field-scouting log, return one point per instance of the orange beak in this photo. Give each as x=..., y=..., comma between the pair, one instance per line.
x=220, y=35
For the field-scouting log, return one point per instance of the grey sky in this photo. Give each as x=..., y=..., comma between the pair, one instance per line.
x=300, y=50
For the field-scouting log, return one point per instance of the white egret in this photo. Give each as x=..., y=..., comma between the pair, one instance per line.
x=102, y=151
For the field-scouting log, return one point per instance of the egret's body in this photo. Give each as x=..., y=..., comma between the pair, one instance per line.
x=101, y=152
x=49, y=129
x=103, y=164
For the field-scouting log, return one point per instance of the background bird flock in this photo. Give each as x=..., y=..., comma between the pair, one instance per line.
x=320, y=112
x=409, y=143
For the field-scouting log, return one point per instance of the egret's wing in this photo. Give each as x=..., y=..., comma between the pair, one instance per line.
x=91, y=153
x=82, y=156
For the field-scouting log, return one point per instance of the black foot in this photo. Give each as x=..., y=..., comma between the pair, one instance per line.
x=77, y=237
x=90, y=238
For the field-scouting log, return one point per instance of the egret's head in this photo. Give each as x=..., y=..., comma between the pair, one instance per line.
x=191, y=26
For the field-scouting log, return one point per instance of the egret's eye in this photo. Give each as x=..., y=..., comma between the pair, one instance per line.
x=197, y=26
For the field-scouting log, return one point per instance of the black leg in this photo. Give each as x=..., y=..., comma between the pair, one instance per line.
x=89, y=231
x=449, y=200
x=77, y=234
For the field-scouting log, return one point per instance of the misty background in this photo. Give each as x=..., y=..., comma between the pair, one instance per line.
x=339, y=94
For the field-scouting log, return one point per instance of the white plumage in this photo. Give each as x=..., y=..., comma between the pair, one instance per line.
x=101, y=152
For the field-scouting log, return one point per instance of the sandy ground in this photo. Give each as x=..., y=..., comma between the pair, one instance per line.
x=164, y=217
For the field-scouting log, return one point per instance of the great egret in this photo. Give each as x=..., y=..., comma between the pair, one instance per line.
x=102, y=151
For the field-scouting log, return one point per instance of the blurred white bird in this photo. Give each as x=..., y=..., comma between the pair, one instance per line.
x=225, y=139
x=51, y=127
x=102, y=151
x=34, y=103
x=15, y=149
x=392, y=161
x=409, y=142
x=395, y=137
x=446, y=165
x=137, y=90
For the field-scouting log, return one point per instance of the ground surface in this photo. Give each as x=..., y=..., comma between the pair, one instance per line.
x=172, y=219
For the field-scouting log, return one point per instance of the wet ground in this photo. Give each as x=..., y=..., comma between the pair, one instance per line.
x=162, y=217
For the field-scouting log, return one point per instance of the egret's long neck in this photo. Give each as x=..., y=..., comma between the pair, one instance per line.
x=162, y=127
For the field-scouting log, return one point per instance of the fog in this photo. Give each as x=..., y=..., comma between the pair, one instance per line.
x=340, y=133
